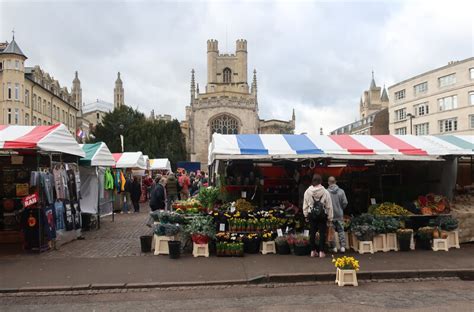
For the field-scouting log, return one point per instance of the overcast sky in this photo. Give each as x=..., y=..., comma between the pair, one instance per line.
x=316, y=57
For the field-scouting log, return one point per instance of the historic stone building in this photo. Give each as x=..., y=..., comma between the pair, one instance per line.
x=228, y=105
x=95, y=111
x=373, y=113
x=31, y=96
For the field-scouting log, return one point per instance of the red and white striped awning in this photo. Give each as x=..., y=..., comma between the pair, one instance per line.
x=55, y=138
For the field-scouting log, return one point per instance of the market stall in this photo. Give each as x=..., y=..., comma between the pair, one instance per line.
x=412, y=175
x=96, y=194
x=40, y=187
x=126, y=164
x=161, y=165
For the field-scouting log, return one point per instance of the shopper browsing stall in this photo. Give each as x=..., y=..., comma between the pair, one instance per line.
x=339, y=203
x=318, y=211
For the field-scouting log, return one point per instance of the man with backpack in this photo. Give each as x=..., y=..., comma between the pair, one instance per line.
x=318, y=211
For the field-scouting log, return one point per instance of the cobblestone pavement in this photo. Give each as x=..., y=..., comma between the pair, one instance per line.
x=432, y=295
x=114, y=239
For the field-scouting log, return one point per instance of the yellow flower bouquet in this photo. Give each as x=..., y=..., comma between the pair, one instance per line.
x=346, y=263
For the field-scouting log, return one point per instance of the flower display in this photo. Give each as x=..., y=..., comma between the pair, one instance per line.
x=346, y=263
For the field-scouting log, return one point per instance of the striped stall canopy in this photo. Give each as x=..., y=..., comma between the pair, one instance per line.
x=55, y=138
x=97, y=154
x=134, y=160
x=374, y=147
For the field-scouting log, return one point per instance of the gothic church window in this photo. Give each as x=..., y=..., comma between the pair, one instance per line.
x=227, y=75
x=225, y=125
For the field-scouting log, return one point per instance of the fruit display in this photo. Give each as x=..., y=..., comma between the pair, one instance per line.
x=190, y=205
x=390, y=209
x=432, y=204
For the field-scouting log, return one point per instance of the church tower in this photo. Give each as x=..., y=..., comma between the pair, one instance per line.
x=373, y=100
x=118, y=92
x=76, y=91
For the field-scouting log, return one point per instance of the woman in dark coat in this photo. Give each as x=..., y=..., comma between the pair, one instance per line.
x=135, y=193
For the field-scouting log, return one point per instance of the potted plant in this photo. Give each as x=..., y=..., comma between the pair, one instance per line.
x=404, y=238
x=208, y=196
x=346, y=268
x=363, y=232
x=282, y=246
x=301, y=245
x=424, y=235
x=201, y=229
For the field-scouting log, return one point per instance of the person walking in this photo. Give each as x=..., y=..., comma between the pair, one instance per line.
x=318, y=211
x=158, y=195
x=184, y=182
x=171, y=190
x=339, y=203
x=127, y=203
x=135, y=194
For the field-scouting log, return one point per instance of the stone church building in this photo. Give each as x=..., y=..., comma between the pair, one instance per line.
x=228, y=105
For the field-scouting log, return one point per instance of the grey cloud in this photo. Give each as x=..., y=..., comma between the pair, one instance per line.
x=315, y=57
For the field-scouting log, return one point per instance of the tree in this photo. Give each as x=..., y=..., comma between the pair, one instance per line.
x=155, y=138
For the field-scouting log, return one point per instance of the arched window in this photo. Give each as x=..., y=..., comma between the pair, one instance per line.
x=227, y=75
x=225, y=125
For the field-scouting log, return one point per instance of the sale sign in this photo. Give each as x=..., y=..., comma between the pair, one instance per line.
x=30, y=200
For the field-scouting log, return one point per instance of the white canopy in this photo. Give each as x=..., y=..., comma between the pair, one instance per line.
x=133, y=160
x=97, y=154
x=160, y=164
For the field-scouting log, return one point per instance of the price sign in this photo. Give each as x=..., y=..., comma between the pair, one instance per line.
x=30, y=200
x=306, y=233
x=372, y=201
x=287, y=229
x=222, y=227
x=244, y=194
x=279, y=233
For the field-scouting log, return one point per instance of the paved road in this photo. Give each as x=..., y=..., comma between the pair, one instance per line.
x=439, y=295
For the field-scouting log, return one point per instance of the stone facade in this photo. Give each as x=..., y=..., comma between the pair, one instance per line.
x=31, y=96
x=227, y=106
x=119, y=92
x=440, y=101
x=373, y=113
x=95, y=111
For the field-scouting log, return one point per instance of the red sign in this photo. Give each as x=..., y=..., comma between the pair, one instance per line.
x=30, y=200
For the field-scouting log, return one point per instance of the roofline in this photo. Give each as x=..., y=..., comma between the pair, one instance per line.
x=18, y=54
x=54, y=95
x=433, y=70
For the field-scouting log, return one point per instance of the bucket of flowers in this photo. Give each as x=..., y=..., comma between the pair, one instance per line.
x=346, y=268
x=201, y=229
x=301, y=245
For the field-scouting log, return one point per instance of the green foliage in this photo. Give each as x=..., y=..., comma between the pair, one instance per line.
x=155, y=138
x=203, y=225
x=425, y=232
x=391, y=224
x=166, y=229
x=208, y=196
x=446, y=223
x=167, y=217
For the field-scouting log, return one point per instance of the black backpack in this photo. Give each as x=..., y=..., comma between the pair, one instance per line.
x=317, y=211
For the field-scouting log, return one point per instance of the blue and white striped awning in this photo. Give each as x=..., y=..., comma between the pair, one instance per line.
x=403, y=147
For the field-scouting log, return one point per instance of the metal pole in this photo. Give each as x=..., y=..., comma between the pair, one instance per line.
x=98, y=197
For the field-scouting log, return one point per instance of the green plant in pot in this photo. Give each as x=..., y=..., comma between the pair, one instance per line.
x=404, y=238
x=363, y=232
x=391, y=224
x=208, y=196
x=166, y=229
x=424, y=235
x=201, y=229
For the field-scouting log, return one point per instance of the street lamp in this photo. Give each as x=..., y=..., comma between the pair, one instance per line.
x=409, y=115
x=121, y=127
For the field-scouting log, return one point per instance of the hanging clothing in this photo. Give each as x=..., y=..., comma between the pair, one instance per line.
x=123, y=181
x=60, y=214
x=108, y=180
x=58, y=183
x=47, y=184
